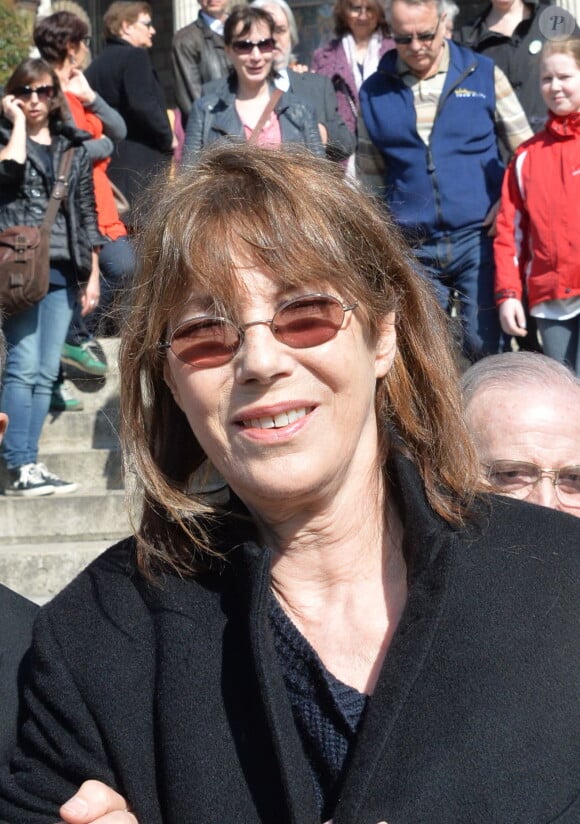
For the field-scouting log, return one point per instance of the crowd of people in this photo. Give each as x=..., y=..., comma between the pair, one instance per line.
x=372, y=614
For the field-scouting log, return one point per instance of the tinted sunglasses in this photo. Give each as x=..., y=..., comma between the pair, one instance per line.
x=422, y=36
x=247, y=46
x=26, y=92
x=300, y=323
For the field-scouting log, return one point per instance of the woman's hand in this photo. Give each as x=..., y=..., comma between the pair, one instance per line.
x=15, y=149
x=79, y=86
x=95, y=803
x=12, y=109
x=513, y=318
x=490, y=220
x=91, y=293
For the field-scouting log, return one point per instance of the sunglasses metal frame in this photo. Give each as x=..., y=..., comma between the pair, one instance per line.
x=241, y=330
x=248, y=46
x=422, y=36
x=26, y=92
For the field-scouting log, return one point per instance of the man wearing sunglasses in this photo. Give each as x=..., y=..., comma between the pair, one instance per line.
x=435, y=111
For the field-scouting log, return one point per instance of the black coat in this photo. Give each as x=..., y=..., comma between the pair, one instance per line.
x=16, y=617
x=517, y=56
x=173, y=693
x=124, y=76
x=25, y=190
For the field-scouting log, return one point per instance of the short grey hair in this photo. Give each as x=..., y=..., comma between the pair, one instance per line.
x=261, y=4
x=450, y=8
x=516, y=369
x=439, y=5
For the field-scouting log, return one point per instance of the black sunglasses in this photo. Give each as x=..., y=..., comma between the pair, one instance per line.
x=207, y=342
x=247, y=46
x=26, y=92
x=422, y=36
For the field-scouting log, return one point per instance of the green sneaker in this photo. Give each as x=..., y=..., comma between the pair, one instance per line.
x=62, y=400
x=85, y=358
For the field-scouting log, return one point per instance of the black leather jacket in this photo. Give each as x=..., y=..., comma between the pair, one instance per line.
x=197, y=56
x=25, y=190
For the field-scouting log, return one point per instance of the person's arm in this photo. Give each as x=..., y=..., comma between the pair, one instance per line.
x=59, y=743
x=185, y=60
x=312, y=137
x=113, y=124
x=341, y=141
x=96, y=803
x=193, y=142
x=369, y=162
x=510, y=119
x=90, y=292
x=143, y=102
x=510, y=246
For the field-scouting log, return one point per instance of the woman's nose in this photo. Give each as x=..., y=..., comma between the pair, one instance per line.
x=261, y=357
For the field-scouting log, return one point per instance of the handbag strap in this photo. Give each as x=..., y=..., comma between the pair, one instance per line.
x=274, y=98
x=59, y=189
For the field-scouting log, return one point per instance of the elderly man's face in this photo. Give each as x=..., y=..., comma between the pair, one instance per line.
x=425, y=26
x=540, y=427
x=281, y=36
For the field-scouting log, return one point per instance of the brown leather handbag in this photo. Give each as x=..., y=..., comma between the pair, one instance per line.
x=25, y=252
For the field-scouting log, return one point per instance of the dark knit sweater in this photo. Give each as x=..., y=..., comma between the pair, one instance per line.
x=327, y=712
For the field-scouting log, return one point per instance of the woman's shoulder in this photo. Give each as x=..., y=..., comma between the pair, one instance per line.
x=539, y=540
x=327, y=52
x=111, y=596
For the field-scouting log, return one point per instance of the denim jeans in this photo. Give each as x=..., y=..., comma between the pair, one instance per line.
x=35, y=338
x=461, y=263
x=117, y=263
x=561, y=341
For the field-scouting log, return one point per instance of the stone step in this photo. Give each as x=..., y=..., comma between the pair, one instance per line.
x=83, y=430
x=92, y=469
x=97, y=393
x=39, y=571
x=79, y=516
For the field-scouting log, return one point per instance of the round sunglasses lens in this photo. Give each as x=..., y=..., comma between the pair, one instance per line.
x=308, y=321
x=208, y=343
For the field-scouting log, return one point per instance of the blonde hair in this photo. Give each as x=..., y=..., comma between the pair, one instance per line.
x=570, y=46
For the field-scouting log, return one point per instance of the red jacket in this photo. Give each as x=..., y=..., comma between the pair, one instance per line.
x=110, y=224
x=538, y=225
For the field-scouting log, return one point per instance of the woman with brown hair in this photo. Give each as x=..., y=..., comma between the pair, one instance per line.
x=33, y=140
x=345, y=626
x=361, y=38
x=243, y=106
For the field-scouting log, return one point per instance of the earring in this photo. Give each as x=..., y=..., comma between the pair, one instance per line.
x=73, y=60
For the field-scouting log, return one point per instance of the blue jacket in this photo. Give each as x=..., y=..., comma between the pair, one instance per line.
x=214, y=117
x=452, y=183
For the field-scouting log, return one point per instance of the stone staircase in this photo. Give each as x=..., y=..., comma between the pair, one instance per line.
x=45, y=542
